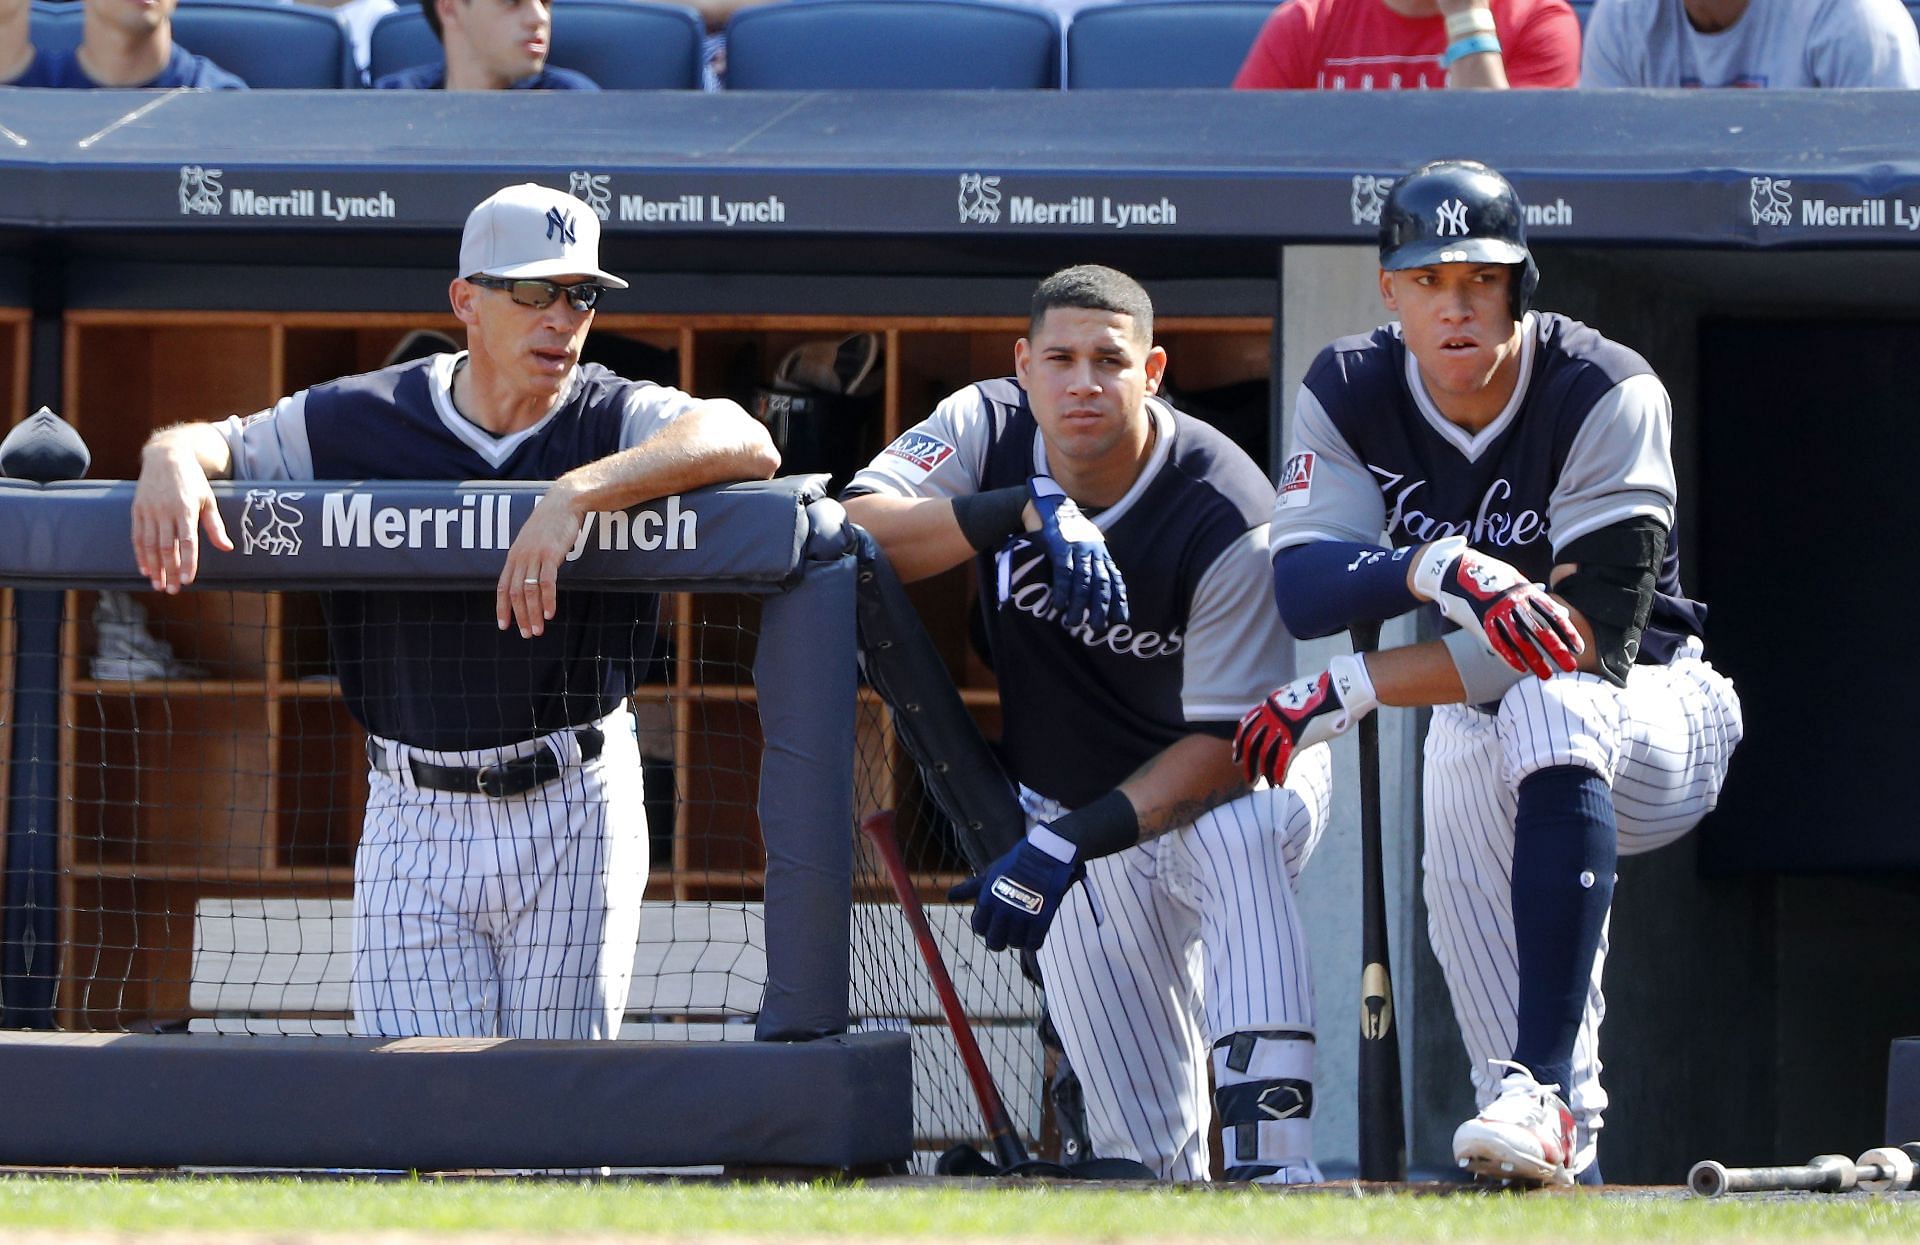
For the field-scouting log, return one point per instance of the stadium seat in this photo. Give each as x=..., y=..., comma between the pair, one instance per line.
x=269, y=44
x=624, y=45
x=55, y=27
x=810, y=45
x=1162, y=43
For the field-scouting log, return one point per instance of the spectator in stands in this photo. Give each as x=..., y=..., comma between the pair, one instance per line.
x=1773, y=43
x=1348, y=45
x=129, y=43
x=358, y=16
x=21, y=64
x=490, y=45
x=716, y=14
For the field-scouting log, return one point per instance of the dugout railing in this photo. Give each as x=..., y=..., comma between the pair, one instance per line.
x=133, y=859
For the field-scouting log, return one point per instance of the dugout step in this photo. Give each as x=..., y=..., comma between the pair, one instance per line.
x=146, y=1100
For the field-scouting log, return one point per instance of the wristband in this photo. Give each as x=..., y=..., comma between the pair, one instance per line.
x=1353, y=685
x=1472, y=22
x=988, y=519
x=1470, y=46
x=1433, y=563
x=1106, y=826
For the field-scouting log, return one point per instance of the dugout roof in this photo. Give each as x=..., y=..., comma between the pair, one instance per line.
x=1735, y=169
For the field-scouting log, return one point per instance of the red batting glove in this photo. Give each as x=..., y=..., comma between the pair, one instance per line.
x=1513, y=617
x=1301, y=714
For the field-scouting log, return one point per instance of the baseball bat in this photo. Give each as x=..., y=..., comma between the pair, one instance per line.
x=1885, y=1169
x=1007, y=1147
x=1383, y=1132
x=1824, y=1173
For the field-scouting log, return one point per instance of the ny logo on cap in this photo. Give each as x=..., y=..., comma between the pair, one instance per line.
x=561, y=223
x=1450, y=219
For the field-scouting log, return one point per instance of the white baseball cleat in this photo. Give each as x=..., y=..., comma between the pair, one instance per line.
x=1525, y=1135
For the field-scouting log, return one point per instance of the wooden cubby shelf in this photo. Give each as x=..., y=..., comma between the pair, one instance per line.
x=250, y=779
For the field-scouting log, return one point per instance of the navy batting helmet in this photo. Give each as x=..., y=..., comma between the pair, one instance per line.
x=1458, y=211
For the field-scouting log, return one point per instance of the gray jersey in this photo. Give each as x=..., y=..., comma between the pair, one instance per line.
x=1775, y=43
x=1583, y=444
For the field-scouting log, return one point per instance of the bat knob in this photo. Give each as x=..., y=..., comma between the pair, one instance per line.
x=1707, y=1179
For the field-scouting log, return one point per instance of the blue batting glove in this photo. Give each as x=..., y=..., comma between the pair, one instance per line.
x=1015, y=897
x=1086, y=584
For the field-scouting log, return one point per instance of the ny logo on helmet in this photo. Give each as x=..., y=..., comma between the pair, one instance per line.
x=1450, y=219
x=561, y=223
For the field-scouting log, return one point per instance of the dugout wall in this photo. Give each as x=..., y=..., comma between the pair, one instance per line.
x=199, y=794
x=927, y=221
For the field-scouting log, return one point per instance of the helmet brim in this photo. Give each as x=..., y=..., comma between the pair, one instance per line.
x=1430, y=251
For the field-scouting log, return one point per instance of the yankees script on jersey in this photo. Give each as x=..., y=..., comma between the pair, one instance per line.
x=1201, y=939
x=481, y=916
x=1584, y=443
x=1184, y=536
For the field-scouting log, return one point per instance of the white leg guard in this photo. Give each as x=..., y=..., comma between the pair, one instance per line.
x=1263, y=1092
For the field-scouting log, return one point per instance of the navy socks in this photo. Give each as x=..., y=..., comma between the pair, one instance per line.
x=1564, y=853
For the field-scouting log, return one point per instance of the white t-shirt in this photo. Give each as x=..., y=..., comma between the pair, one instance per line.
x=1776, y=43
x=358, y=16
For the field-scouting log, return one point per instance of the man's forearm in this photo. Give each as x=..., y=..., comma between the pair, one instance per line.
x=715, y=443
x=200, y=444
x=1187, y=779
x=919, y=535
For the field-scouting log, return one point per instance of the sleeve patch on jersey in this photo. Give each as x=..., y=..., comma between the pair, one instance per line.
x=920, y=452
x=1296, y=481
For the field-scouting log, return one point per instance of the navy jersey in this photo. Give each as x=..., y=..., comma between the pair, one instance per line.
x=433, y=669
x=183, y=68
x=1085, y=709
x=40, y=71
x=434, y=78
x=1584, y=443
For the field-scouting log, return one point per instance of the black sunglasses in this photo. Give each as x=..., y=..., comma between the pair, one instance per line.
x=529, y=293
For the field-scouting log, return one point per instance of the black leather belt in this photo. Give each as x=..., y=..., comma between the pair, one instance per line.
x=498, y=781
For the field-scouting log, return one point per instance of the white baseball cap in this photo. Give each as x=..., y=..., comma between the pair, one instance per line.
x=533, y=231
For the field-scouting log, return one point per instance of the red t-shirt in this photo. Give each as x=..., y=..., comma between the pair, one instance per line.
x=1362, y=45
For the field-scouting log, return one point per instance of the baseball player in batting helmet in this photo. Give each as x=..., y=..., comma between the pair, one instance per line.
x=498, y=879
x=1511, y=470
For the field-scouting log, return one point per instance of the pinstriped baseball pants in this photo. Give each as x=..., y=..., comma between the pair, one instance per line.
x=517, y=917
x=1201, y=938
x=1662, y=744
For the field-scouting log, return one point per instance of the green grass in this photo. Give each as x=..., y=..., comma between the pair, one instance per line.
x=689, y=1211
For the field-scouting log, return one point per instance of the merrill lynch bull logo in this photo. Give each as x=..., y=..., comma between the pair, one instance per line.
x=271, y=524
x=1770, y=202
x=199, y=191
x=979, y=199
x=594, y=190
x=1369, y=196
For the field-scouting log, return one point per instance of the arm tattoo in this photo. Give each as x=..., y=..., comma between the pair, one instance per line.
x=1184, y=810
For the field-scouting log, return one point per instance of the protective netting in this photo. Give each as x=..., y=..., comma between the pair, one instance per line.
x=213, y=784
x=891, y=985
x=212, y=793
